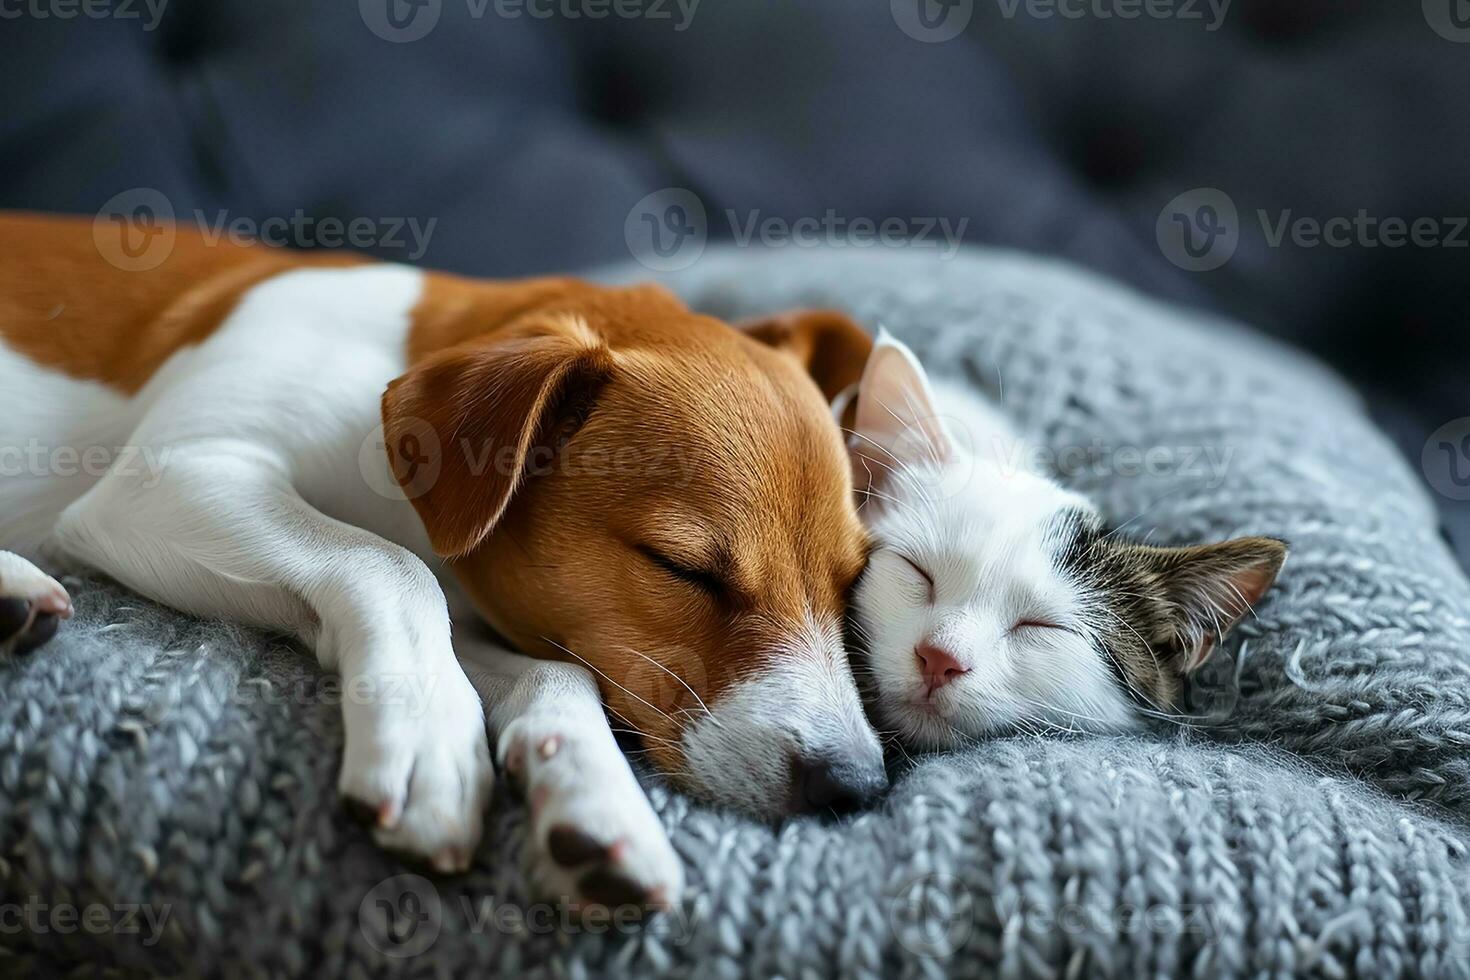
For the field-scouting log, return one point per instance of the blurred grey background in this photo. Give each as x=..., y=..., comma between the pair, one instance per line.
x=1187, y=147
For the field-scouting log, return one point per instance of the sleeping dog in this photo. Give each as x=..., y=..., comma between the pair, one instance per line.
x=352, y=452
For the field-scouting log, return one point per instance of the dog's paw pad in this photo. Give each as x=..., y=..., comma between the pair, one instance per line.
x=594, y=838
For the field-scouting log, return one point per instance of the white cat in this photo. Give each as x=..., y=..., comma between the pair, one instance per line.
x=995, y=600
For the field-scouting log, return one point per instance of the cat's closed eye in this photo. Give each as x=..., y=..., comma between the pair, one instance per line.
x=922, y=572
x=1039, y=624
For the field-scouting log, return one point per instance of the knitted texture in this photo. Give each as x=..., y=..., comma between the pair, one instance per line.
x=172, y=782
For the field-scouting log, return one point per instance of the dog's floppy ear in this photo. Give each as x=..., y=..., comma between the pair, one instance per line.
x=831, y=347
x=461, y=426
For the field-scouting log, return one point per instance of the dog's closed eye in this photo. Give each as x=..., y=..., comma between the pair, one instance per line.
x=706, y=580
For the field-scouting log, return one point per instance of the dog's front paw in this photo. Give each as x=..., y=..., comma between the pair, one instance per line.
x=32, y=605
x=419, y=768
x=594, y=836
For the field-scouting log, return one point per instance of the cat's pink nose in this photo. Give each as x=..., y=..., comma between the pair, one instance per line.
x=937, y=665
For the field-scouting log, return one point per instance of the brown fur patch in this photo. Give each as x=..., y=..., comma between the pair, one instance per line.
x=65, y=307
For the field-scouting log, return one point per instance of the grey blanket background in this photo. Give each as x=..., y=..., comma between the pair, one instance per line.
x=171, y=782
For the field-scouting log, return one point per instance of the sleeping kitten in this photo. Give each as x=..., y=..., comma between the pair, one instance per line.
x=995, y=599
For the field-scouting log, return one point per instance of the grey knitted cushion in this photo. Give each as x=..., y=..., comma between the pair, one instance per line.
x=1314, y=819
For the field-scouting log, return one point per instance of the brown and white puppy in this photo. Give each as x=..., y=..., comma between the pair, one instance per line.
x=612, y=480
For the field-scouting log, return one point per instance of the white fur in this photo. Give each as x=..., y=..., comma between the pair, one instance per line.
x=954, y=499
x=551, y=732
x=803, y=704
x=54, y=433
x=250, y=511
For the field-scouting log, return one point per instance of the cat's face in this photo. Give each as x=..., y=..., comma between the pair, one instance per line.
x=996, y=601
x=972, y=620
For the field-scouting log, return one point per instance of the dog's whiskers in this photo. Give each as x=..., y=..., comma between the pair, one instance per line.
x=681, y=680
x=594, y=668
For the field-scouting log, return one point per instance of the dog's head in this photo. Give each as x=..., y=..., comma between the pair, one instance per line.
x=665, y=499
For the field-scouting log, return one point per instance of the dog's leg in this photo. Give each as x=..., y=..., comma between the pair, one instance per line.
x=221, y=533
x=594, y=836
x=32, y=605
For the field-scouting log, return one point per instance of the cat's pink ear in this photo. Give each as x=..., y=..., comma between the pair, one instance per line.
x=896, y=422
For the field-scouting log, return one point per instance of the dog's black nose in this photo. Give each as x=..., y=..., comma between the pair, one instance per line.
x=839, y=785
